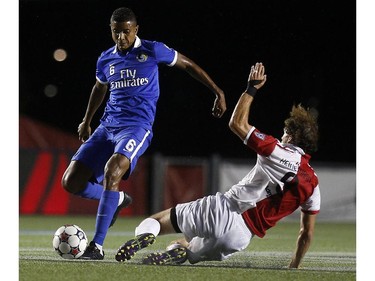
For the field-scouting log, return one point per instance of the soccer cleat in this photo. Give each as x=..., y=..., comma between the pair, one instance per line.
x=126, y=202
x=128, y=250
x=174, y=256
x=92, y=253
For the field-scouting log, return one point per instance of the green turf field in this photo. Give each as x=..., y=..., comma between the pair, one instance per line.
x=332, y=255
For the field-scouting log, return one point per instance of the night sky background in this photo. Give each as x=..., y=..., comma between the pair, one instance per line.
x=307, y=47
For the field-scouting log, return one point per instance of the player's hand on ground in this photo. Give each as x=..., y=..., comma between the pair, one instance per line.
x=84, y=131
x=257, y=76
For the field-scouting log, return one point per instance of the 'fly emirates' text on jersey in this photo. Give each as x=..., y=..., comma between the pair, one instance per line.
x=281, y=181
x=133, y=82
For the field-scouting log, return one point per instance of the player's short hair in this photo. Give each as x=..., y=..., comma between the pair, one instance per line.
x=123, y=14
x=302, y=126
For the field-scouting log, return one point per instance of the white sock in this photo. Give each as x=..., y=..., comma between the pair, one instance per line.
x=148, y=225
x=121, y=198
x=100, y=247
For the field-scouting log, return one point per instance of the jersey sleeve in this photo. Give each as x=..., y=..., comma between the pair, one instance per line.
x=312, y=205
x=164, y=54
x=261, y=143
x=100, y=76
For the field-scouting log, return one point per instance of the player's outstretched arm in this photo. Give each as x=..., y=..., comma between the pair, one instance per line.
x=199, y=74
x=239, y=122
x=304, y=239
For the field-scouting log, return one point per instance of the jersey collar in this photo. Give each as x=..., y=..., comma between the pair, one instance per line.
x=294, y=147
x=137, y=44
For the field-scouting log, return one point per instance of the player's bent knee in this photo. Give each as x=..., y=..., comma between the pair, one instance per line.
x=70, y=184
x=76, y=177
x=67, y=184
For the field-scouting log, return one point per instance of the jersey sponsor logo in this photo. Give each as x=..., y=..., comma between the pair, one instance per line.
x=260, y=135
x=129, y=79
x=142, y=57
x=128, y=83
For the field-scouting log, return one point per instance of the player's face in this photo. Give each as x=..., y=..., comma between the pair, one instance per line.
x=285, y=138
x=123, y=34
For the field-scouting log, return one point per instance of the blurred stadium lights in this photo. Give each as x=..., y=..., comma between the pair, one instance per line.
x=60, y=55
x=50, y=90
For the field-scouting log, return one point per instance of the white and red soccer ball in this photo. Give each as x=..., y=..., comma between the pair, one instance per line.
x=70, y=241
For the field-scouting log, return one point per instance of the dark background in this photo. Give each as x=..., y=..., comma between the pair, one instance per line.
x=308, y=48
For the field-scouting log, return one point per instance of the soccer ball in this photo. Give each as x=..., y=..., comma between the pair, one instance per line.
x=70, y=241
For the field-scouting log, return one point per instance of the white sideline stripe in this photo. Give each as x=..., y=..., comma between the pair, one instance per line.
x=312, y=255
x=319, y=255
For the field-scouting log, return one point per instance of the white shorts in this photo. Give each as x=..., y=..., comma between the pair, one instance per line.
x=214, y=231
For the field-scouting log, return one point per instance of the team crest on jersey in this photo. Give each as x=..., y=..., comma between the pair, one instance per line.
x=260, y=135
x=142, y=57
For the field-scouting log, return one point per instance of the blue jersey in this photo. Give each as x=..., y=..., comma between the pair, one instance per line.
x=133, y=82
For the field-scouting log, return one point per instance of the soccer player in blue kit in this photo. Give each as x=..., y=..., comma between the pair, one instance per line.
x=129, y=70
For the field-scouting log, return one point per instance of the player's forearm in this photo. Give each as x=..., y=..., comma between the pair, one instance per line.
x=239, y=122
x=96, y=99
x=199, y=74
x=303, y=244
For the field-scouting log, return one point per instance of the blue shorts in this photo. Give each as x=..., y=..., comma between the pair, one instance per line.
x=131, y=142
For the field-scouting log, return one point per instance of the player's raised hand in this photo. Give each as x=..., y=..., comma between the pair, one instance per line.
x=256, y=80
x=257, y=76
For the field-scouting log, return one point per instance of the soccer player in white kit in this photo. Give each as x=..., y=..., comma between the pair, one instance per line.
x=217, y=226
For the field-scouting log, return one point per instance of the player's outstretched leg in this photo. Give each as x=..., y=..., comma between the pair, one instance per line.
x=174, y=256
x=130, y=248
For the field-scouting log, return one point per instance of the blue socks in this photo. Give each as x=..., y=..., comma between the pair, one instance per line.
x=108, y=202
x=92, y=191
x=107, y=207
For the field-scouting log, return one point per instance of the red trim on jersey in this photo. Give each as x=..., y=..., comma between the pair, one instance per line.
x=272, y=209
x=262, y=144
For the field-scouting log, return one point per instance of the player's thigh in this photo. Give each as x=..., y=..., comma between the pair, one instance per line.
x=235, y=239
x=95, y=152
x=209, y=216
x=132, y=142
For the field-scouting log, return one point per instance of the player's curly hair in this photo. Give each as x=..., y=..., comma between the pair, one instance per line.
x=302, y=126
x=123, y=14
